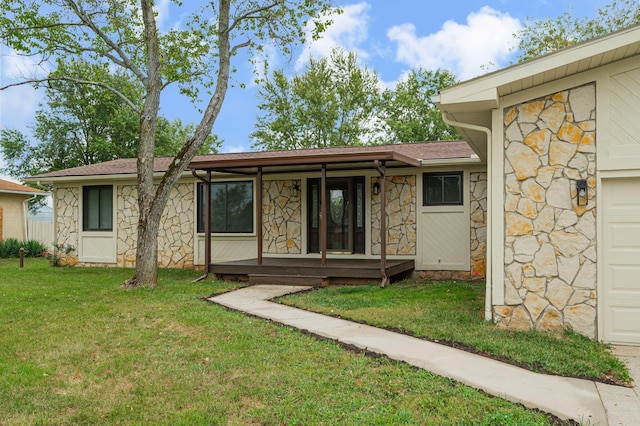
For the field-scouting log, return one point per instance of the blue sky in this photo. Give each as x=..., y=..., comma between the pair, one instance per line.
x=390, y=37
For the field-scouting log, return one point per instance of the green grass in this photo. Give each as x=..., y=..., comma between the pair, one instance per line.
x=452, y=312
x=78, y=349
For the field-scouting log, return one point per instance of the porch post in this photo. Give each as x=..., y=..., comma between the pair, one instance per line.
x=383, y=221
x=207, y=223
x=323, y=215
x=259, y=214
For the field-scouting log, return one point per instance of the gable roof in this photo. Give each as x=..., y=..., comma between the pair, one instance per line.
x=472, y=101
x=15, y=188
x=413, y=154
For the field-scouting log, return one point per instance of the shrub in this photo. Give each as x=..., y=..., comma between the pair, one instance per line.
x=59, y=252
x=11, y=248
x=33, y=248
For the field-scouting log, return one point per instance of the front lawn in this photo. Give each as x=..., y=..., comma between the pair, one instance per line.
x=453, y=313
x=78, y=349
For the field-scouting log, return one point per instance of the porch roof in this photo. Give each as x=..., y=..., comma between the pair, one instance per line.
x=399, y=155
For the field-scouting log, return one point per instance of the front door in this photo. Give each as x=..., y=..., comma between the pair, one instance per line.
x=344, y=216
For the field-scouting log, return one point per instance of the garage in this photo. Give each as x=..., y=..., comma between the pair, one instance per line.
x=621, y=263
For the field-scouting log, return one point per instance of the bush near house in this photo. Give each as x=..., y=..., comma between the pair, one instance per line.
x=11, y=248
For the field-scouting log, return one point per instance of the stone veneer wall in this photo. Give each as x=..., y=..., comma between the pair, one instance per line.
x=67, y=204
x=127, y=220
x=550, y=246
x=478, y=211
x=401, y=216
x=177, y=227
x=282, y=217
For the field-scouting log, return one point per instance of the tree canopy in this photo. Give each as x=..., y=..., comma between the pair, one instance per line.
x=409, y=111
x=79, y=125
x=195, y=55
x=336, y=101
x=542, y=36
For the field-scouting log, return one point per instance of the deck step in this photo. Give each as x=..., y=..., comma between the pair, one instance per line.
x=310, y=280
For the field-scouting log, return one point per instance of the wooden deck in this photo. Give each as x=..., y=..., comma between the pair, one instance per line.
x=288, y=270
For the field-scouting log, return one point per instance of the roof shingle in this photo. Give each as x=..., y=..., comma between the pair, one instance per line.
x=7, y=186
x=417, y=151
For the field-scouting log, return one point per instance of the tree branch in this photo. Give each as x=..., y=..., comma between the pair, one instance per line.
x=239, y=46
x=126, y=61
x=76, y=81
x=249, y=14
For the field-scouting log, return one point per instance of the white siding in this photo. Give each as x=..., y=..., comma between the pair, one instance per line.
x=445, y=240
x=97, y=247
x=226, y=249
x=444, y=232
x=618, y=135
x=625, y=109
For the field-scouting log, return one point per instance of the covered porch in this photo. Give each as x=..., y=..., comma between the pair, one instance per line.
x=339, y=213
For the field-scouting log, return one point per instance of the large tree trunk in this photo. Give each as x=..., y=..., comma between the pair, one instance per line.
x=148, y=206
x=152, y=200
x=146, y=255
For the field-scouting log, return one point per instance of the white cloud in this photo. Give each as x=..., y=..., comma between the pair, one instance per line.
x=17, y=67
x=18, y=107
x=264, y=61
x=347, y=31
x=18, y=104
x=228, y=148
x=465, y=49
x=162, y=9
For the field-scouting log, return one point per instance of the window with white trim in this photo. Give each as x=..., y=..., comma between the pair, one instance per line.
x=97, y=208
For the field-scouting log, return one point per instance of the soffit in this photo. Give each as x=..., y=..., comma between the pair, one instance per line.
x=472, y=101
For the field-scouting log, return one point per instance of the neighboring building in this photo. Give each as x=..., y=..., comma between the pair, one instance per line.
x=561, y=136
x=14, y=209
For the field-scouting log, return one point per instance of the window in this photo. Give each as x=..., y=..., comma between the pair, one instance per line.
x=97, y=208
x=441, y=189
x=231, y=207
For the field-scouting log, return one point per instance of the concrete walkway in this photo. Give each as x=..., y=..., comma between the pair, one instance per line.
x=581, y=400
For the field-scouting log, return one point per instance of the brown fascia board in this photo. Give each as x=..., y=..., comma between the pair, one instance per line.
x=27, y=193
x=306, y=159
x=416, y=162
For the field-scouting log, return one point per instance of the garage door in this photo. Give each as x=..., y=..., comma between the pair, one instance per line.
x=621, y=264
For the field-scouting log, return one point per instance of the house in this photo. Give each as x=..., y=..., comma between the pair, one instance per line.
x=14, y=209
x=542, y=197
x=266, y=210
x=561, y=139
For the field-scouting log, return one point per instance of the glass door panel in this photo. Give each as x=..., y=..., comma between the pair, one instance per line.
x=345, y=215
x=339, y=235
